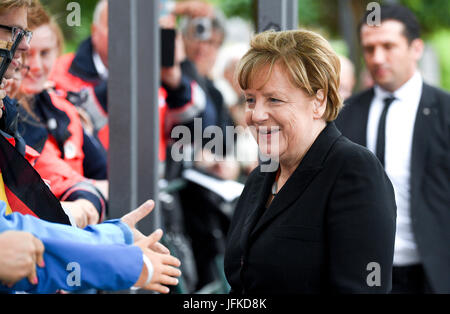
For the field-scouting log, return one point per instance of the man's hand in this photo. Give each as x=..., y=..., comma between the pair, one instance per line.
x=164, y=266
x=83, y=212
x=132, y=218
x=19, y=254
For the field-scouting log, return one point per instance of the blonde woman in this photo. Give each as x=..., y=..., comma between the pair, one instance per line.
x=324, y=220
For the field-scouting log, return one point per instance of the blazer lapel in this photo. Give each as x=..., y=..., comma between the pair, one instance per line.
x=256, y=204
x=421, y=136
x=309, y=167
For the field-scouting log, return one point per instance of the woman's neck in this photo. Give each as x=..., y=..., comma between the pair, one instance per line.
x=289, y=165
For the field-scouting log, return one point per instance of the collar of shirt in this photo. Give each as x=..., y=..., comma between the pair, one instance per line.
x=408, y=92
x=100, y=67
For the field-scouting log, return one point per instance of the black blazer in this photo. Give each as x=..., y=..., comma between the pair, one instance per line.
x=430, y=175
x=332, y=218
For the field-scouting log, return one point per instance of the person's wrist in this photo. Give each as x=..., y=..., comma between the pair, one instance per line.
x=146, y=270
x=149, y=266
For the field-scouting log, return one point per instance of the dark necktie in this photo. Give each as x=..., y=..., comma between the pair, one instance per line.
x=381, y=137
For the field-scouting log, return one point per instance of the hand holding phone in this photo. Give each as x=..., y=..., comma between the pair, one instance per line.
x=167, y=47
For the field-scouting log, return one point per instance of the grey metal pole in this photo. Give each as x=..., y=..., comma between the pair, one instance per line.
x=134, y=79
x=349, y=32
x=348, y=28
x=277, y=15
x=291, y=14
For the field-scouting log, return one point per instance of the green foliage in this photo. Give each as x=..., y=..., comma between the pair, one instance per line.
x=311, y=13
x=441, y=43
x=240, y=8
x=433, y=15
x=73, y=34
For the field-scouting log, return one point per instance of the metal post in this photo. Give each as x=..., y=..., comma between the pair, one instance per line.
x=277, y=15
x=134, y=67
x=291, y=14
x=348, y=27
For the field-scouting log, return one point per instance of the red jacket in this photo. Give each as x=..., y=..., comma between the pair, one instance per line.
x=63, y=79
x=73, y=147
x=66, y=82
x=64, y=176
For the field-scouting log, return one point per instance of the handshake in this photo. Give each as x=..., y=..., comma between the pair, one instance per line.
x=165, y=271
x=22, y=253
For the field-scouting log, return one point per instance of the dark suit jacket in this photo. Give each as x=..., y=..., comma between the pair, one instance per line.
x=430, y=175
x=333, y=217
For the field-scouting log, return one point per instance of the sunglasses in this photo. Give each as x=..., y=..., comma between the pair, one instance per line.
x=18, y=33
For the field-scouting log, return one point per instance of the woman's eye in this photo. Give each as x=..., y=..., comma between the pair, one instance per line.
x=274, y=100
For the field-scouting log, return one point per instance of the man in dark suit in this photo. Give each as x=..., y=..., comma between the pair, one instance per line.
x=406, y=123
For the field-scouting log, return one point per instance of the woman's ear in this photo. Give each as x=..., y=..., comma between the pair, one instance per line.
x=319, y=104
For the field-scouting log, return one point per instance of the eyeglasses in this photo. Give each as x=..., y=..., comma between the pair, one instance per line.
x=18, y=33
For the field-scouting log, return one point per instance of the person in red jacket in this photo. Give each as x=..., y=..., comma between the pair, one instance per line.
x=51, y=125
x=78, y=194
x=86, y=72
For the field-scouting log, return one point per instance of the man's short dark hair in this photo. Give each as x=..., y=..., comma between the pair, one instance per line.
x=397, y=13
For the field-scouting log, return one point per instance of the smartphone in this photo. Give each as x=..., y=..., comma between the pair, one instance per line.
x=167, y=47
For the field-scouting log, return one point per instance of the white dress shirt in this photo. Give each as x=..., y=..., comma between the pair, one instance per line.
x=100, y=67
x=400, y=121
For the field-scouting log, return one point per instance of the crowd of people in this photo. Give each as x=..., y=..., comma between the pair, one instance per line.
x=313, y=224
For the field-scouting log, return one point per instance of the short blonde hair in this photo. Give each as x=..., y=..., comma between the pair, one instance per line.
x=307, y=57
x=12, y=4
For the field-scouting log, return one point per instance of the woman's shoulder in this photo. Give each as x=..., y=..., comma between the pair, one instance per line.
x=350, y=154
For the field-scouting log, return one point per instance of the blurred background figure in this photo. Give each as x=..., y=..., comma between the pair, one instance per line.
x=86, y=71
x=405, y=122
x=366, y=79
x=348, y=79
x=205, y=219
x=246, y=147
x=203, y=37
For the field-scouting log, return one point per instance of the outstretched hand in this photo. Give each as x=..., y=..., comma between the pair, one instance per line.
x=165, y=271
x=132, y=218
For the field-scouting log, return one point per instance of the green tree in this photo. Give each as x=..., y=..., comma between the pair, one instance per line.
x=72, y=34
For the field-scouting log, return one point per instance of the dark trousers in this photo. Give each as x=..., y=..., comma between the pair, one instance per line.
x=409, y=280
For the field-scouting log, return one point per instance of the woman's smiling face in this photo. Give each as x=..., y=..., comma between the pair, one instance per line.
x=41, y=57
x=280, y=114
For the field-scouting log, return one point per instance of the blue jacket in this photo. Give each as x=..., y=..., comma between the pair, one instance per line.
x=97, y=257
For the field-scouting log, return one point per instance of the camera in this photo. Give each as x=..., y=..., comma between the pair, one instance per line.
x=202, y=28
